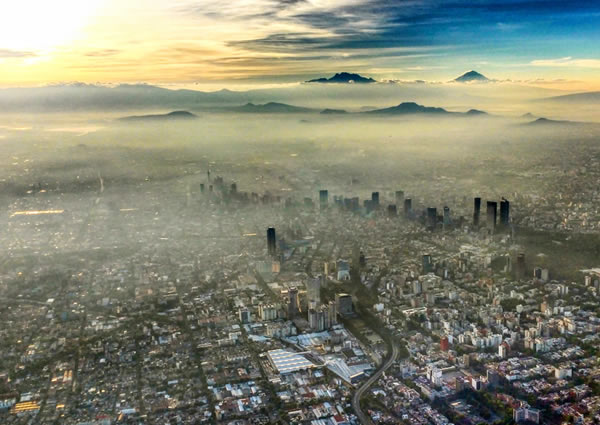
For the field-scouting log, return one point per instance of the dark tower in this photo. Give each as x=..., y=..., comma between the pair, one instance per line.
x=427, y=264
x=431, y=219
x=323, y=199
x=447, y=220
x=520, y=267
x=271, y=241
x=504, y=213
x=407, y=207
x=476, y=211
x=491, y=211
x=375, y=200
x=392, y=211
x=233, y=188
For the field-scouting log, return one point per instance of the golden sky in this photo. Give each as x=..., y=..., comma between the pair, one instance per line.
x=265, y=42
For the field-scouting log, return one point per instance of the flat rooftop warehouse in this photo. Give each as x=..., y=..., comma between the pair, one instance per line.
x=285, y=361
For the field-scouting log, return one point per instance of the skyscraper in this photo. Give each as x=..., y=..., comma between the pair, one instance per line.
x=476, y=211
x=323, y=199
x=520, y=266
x=504, y=213
x=427, y=264
x=313, y=292
x=399, y=197
x=407, y=207
x=491, y=212
x=375, y=200
x=447, y=219
x=293, y=303
x=431, y=220
x=392, y=211
x=271, y=241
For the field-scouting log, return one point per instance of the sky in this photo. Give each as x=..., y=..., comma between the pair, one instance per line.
x=234, y=43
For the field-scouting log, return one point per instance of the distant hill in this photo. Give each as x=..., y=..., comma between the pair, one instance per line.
x=409, y=108
x=528, y=116
x=545, y=122
x=548, y=122
x=69, y=97
x=333, y=111
x=412, y=108
x=586, y=97
x=476, y=112
x=471, y=76
x=271, y=107
x=344, y=77
x=175, y=115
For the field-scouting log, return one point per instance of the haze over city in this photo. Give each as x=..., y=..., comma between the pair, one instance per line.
x=316, y=212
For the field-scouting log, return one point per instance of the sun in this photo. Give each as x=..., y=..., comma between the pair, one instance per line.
x=40, y=25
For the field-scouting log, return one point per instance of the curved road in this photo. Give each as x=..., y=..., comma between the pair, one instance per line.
x=364, y=419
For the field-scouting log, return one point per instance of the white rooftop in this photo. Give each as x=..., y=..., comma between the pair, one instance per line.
x=287, y=361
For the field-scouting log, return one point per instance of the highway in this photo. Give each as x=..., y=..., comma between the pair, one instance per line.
x=363, y=418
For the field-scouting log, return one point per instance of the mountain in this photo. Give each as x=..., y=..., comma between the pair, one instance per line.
x=528, y=116
x=344, y=77
x=175, y=115
x=406, y=108
x=69, y=97
x=271, y=107
x=475, y=112
x=556, y=124
x=411, y=108
x=333, y=111
x=586, y=97
x=549, y=122
x=470, y=76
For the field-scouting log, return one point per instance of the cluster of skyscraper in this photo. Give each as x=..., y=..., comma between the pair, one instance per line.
x=491, y=214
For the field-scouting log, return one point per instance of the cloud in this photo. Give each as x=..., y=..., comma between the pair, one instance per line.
x=101, y=52
x=9, y=53
x=567, y=62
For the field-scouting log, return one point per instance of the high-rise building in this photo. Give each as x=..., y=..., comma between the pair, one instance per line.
x=313, y=291
x=323, y=199
x=375, y=200
x=520, y=266
x=293, y=303
x=344, y=304
x=271, y=241
x=504, y=213
x=233, y=188
x=447, y=220
x=427, y=264
x=476, y=211
x=332, y=311
x=267, y=312
x=407, y=207
x=399, y=197
x=244, y=315
x=491, y=212
x=323, y=317
x=392, y=210
x=431, y=221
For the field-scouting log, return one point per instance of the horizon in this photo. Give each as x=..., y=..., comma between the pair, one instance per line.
x=268, y=43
